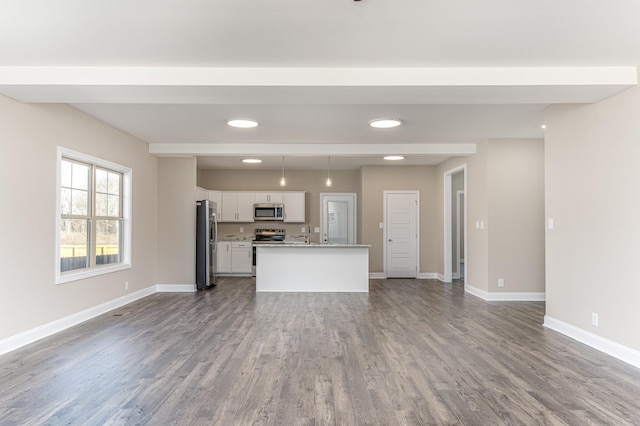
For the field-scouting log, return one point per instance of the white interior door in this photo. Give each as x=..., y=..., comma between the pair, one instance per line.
x=401, y=234
x=338, y=218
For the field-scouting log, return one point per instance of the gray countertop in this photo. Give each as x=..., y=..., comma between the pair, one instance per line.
x=304, y=245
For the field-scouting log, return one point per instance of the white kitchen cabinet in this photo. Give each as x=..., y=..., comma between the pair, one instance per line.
x=237, y=207
x=216, y=197
x=294, y=206
x=241, y=257
x=267, y=197
x=224, y=257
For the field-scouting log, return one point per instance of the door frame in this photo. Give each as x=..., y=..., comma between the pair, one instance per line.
x=384, y=228
x=447, y=276
x=354, y=198
x=459, y=225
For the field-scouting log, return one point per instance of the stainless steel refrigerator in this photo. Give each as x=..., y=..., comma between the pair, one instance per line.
x=206, y=244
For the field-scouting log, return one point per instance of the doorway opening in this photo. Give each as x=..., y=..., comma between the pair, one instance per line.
x=455, y=219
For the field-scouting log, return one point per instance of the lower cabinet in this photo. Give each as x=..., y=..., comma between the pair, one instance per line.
x=241, y=261
x=234, y=257
x=224, y=257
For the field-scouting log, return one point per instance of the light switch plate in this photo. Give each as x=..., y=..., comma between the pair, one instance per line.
x=381, y=225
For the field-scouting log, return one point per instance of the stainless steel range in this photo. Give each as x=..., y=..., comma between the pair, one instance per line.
x=266, y=236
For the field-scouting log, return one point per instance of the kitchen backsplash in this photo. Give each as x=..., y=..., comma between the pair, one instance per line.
x=231, y=231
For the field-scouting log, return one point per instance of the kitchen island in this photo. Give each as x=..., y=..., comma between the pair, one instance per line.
x=312, y=268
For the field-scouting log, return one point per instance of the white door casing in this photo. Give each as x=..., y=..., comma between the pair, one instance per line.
x=448, y=224
x=460, y=231
x=401, y=229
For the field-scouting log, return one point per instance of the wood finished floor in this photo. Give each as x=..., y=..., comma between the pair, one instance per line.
x=410, y=352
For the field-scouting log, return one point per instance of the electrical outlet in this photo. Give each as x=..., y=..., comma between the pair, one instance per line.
x=304, y=229
x=126, y=285
x=316, y=230
x=594, y=319
x=241, y=229
x=500, y=282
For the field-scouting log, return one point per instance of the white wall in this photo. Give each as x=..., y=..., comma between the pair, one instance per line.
x=505, y=182
x=516, y=213
x=592, y=167
x=29, y=135
x=177, y=221
x=476, y=198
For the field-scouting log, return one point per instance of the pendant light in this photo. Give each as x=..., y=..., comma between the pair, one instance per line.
x=329, y=182
x=283, y=181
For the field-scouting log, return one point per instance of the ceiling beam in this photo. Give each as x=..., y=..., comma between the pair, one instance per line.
x=447, y=85
x=228, y=149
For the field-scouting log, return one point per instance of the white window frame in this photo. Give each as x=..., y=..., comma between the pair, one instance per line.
x=74, y=275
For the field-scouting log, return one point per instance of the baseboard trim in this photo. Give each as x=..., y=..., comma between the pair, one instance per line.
x=427, y=276
x=505, y=297
x=609, y=347
x=420, y=276
x=176, y=288
x=27, y=337
x=17, y=341
x=440, y=277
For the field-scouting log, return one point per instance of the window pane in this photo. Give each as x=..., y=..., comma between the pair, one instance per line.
x=108, y=242
x=114, y=184
x=101, y=205
x=65, y=173
x=101, y=180
x=114, y=206
x=73, y=244
x=79, y=202
x=65, y=201
x=80, y=176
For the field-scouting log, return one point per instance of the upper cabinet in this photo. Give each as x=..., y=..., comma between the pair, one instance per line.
x=268, y=197
x=216, y=197
x=294, y=206
x=237, y=207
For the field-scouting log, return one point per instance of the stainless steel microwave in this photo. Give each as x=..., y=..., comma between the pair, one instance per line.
x=268, y=211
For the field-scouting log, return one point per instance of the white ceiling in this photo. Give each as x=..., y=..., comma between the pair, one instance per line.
x=315, y=72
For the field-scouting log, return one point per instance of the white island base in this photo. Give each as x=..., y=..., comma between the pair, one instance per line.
x=312, y=268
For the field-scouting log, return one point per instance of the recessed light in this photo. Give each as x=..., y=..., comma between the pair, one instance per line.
x=242, y=123
x=394, y=157
x=385, y=123
x=252, y=160
x=543, y=126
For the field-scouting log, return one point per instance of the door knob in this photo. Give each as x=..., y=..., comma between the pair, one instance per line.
x=389, y=239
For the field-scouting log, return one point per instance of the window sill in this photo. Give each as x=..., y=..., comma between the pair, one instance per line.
x=100, y=270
